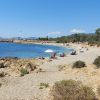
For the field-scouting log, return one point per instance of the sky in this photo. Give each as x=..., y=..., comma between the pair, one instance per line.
x=39, y=18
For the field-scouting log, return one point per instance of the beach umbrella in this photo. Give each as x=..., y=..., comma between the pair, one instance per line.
x=49, y=51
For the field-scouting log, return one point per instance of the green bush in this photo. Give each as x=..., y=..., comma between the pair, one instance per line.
x=79, y=64
x=98, y=44
x=71, y=90
x=41, y=87
x=44, y=85
x=23, y=71
x=0, y=84
x=2, y=65
x=97, y=62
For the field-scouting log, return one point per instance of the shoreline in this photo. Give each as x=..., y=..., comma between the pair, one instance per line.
x=72, y=46
x=66, y=45
x=51, y=44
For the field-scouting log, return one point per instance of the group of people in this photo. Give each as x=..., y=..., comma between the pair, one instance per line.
x=54, y=56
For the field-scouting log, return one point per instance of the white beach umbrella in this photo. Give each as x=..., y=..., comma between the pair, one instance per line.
x=49, y=51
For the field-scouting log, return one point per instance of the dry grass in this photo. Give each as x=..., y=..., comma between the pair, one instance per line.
x=71, y=90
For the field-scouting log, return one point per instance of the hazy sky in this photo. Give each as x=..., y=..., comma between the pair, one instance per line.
x=48, y=17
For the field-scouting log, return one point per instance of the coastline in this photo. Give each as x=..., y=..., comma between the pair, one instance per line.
x=54, y=45
x=74, y=46
x=49, y=71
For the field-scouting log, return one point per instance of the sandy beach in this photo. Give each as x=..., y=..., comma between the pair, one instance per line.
x=28, y=86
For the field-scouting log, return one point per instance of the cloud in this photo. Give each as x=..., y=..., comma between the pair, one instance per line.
x=77, y=31
x=54, y=32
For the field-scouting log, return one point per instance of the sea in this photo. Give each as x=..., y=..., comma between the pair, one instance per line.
x=29, y=50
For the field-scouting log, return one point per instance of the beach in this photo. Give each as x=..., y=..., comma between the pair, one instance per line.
x=49, y=50
x=27, y=87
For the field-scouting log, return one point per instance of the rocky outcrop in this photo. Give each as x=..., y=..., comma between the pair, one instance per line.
x=15, y=64
x=29, y=66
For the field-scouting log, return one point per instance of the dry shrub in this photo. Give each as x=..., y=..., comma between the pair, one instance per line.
x=98, y=90
x=71, y=90
x=23, y=71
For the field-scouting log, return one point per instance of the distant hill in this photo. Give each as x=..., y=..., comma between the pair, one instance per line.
x=31, y=38
x=21, y=38
x=17, y=38
x=1, y=38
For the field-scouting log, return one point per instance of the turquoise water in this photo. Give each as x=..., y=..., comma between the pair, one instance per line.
x=28, y=50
